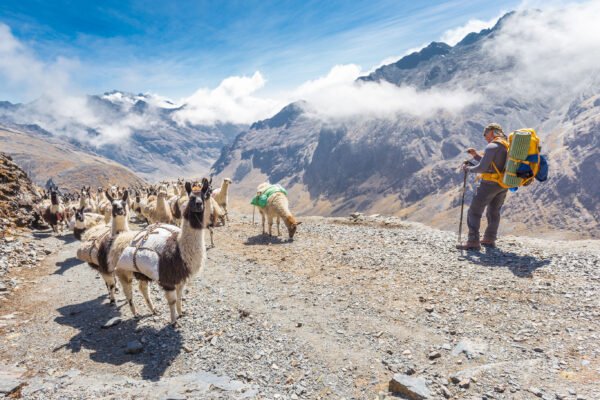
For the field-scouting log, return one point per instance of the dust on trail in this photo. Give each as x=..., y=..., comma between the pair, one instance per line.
x=335, y=313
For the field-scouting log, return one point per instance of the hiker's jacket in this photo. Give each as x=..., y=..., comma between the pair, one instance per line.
x=494, y=152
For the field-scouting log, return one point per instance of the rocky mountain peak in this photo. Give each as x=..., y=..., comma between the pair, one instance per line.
x=286, y=116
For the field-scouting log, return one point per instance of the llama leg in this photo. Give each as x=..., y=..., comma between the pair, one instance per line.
x=111, y=284
x=270, y=223
x=179, y=289
x=278, y=231
x=144, y=289
x=171, y=296
x=226, y=213
x=262, y=217
x=126, y=281
x=212, y=243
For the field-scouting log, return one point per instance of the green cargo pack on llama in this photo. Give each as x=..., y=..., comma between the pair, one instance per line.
x=261, y=199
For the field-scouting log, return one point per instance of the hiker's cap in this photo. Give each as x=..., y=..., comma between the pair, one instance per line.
x=496, y=128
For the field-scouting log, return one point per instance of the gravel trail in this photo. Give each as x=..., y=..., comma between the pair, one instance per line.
x=337, y=313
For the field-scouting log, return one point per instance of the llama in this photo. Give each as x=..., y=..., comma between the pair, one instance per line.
x=177, y=204
x=54, y=215
x=221, y=196
x=160, y=210
x=137, y=204
x=104, y=204
x=84, y=221
x=277, y=207
x=217, y=217
x=99, y=242
x=166, y=253
x=85, y=200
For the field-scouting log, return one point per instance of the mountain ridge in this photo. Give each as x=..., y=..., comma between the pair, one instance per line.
x=405, y=163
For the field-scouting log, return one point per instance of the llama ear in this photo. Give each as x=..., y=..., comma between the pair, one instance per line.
x=205, y=184
x=125, y=195
x=188, y=188
x=108, y=196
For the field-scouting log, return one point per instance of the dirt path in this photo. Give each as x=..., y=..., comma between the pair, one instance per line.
x=334, y=314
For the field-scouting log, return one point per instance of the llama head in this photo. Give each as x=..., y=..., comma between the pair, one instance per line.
x=79, y=216
x=198, y=196
x=119, y=206
x=292, y=226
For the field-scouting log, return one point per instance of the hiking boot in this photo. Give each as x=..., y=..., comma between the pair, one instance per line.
x=488, y=242
x=469, y=246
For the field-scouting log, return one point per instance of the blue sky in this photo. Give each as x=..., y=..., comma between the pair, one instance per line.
x=175, y=47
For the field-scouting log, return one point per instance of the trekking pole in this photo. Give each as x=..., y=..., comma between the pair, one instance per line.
x=462, y=206
x=462, y=202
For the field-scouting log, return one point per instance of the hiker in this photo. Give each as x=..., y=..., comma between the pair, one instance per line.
x=489, y=193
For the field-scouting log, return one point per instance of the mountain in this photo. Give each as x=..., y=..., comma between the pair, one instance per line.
x=44, y=157
x=407, y=164
x=140, y=131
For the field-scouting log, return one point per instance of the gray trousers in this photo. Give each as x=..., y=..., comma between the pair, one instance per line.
x=492, y=196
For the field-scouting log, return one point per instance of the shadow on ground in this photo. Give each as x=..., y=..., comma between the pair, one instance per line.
x=67, y=264
x=261, y=239
x=66, y=236
x=521, y=266
x=161, y=347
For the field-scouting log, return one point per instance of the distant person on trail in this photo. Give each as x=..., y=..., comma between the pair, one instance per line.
x=488, y=194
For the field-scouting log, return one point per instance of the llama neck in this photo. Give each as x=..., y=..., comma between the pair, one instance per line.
x=192, y=247
x=119, y=224
x=79, y=224
x=82, y=202
x=224, y=188
x=161, y=206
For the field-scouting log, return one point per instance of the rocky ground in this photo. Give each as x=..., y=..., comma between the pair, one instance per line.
x=353, y=308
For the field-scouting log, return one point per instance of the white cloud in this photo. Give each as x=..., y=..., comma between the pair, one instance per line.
x=553, y=52
x=342, y=99
x=58, y=108
x=339, y=75
x=234, y=100
x=336, y=95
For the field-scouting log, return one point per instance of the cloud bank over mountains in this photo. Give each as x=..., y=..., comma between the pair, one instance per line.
x=553, y=49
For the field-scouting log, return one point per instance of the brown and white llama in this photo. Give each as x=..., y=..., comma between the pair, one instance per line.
x=277, y=207
x=99, y=241
x=221, y=196
x=54, y=214
x=84, y=221
x=165, y=253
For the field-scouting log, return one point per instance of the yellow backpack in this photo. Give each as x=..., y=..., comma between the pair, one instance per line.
x=523, y=159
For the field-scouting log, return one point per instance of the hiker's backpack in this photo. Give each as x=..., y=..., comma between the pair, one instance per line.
x=524, y=161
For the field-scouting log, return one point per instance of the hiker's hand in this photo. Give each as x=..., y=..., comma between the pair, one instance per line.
x=465, y=167
x=472, y=152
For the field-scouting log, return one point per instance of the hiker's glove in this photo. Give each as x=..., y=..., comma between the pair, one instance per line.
x=465, y=167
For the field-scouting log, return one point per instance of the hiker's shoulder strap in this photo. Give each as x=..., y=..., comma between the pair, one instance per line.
x=502, y=141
